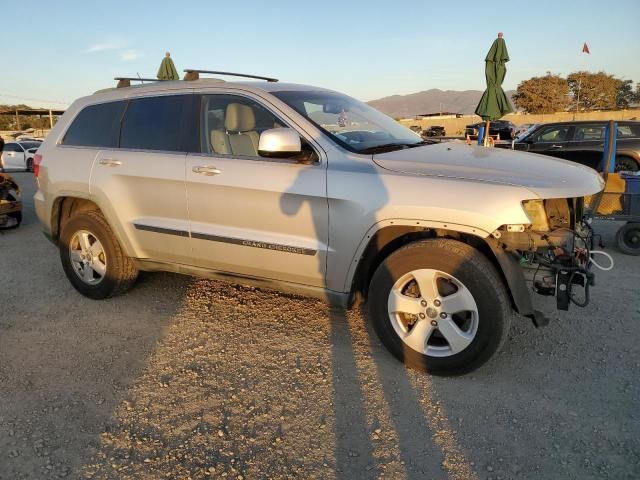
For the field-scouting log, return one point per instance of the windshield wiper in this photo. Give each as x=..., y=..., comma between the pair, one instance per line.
x=389, y=147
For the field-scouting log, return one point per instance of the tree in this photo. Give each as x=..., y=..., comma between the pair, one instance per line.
x=593, y=91
x=546, y=94
x=625, y=96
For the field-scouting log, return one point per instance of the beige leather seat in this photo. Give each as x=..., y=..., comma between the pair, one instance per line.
x=239, y=136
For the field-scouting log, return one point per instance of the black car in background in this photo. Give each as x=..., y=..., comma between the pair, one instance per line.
x=434, y=131
x=502, y=128
x=583, y=142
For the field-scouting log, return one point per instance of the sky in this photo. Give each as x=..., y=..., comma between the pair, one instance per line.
x=63, y=50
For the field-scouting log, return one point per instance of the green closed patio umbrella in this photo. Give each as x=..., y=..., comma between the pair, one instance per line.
x=494, y=104
x=167, y=69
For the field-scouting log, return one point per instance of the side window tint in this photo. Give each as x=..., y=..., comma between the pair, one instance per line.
x=96, y=126
x=554, y=134
x=628, y=131
x=12, y=147
x=160, y=123
x=587, y=133
x=232, y=125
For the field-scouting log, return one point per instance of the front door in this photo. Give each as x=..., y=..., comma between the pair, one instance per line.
x=255, y=216
x=552, y=140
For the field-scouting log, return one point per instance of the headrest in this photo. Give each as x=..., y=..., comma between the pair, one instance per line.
x=239, y=118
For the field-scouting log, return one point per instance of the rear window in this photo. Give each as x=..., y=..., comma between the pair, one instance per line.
x=96, y=126
x=167, y=123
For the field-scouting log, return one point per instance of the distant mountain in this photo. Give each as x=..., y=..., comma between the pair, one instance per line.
x=431, y=101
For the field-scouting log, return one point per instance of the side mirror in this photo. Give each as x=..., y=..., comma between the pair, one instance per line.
x=280, y=143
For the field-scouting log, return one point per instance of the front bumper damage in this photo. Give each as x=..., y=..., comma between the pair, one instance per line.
x=550, y=257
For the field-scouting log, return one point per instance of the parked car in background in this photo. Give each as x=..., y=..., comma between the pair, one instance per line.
x=583, y=142
x=502, y=128
x=435, y=131
x=19, y=155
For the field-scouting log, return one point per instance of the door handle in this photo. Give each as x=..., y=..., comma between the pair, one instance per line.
x=556, y=147
x=110, y=162
x=206, y=170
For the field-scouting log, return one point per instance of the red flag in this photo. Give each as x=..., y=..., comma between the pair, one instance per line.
x=585, y=49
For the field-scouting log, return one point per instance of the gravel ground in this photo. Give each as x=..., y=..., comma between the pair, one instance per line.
x=190, y=378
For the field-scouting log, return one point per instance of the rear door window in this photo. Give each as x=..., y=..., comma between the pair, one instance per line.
x=96, y=126
x=167, y=123
x=589, y=133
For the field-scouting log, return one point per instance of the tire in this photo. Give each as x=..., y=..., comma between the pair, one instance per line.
x=459, y=269
x=626, y=164
x=628, y=238
x=113, y=272
x=29, y=164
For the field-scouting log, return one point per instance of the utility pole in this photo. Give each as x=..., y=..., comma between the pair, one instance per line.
x=17, y=120
x=578, y=98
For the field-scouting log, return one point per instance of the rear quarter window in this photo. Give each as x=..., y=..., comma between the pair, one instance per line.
x=96, y=126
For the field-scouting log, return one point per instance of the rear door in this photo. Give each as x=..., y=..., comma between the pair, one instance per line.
x=250, y=215
x=587, y=145
x=140, y=184
x=552, y=140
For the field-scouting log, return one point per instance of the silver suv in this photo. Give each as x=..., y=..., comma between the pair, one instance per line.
x=307, y=190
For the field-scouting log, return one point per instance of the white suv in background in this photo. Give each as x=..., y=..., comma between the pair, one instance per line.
x=306, y=190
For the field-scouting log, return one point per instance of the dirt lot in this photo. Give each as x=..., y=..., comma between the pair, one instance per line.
x=189, y=378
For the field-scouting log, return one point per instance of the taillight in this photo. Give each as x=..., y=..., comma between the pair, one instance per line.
x=37, y=160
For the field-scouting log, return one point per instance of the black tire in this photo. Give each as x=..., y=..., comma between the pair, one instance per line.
x=479, y=276
x=626, y=164
x=120, y=273
x=29, y=164
x=628, y=238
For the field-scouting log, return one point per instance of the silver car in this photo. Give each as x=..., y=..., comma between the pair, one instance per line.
x=307, y=190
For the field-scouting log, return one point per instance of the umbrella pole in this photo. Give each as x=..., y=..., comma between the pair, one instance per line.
x=486, y=133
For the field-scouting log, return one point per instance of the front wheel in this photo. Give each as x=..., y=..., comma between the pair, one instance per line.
x=92, y=258
x=439, y=306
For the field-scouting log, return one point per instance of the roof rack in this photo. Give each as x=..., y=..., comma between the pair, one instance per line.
x=126, y=81
x=192, y=74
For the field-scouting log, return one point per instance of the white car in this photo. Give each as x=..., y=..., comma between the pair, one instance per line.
x=19, y=155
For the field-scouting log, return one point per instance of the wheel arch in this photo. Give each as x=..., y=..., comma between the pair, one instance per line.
x=381, y=242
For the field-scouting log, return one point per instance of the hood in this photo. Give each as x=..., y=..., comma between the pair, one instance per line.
x=545, y=176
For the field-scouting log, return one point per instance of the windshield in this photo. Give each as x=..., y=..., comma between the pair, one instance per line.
x=352, y=124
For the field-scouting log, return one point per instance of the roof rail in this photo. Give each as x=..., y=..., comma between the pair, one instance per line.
x=126, y=81
x=192, y=74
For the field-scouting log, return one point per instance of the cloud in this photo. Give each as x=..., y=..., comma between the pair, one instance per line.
x=109, y=44
x=129, y=55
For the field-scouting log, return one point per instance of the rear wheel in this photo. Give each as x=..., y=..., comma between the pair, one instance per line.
x=628, y=238
x=93, y=259
x=439, y=306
